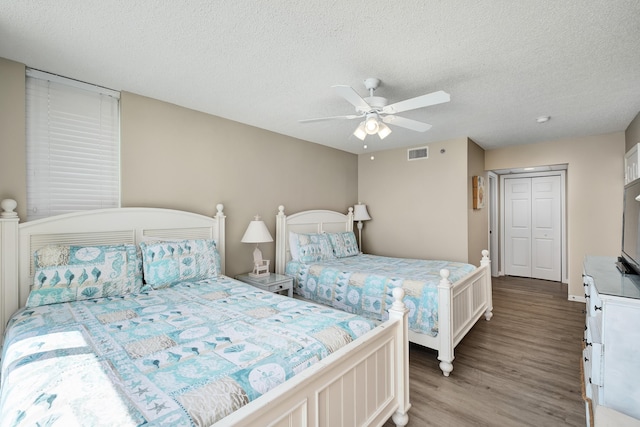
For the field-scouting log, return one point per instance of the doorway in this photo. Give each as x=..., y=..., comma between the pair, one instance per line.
x=494, y=224
x=533, y=225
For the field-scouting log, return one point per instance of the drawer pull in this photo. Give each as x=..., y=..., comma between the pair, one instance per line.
x=596, y=308
x=586, y=359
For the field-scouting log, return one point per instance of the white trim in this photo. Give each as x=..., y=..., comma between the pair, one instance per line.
x=43, y=75
x=494, y=222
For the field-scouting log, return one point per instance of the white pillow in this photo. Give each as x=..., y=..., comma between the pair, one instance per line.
x=294, y=249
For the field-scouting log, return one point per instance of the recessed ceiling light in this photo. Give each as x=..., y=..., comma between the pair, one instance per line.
x=543, y=119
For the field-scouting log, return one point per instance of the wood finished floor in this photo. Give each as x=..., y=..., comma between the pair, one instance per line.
x=522, y=368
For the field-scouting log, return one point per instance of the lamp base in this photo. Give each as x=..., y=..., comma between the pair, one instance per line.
x=260, y=269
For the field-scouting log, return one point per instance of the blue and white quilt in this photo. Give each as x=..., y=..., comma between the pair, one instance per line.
x=180, y=356
x=363, y=284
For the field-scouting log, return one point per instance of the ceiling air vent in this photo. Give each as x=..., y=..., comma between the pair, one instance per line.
x=418, y=153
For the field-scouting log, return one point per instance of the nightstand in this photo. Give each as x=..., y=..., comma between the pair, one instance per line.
x=272, y=283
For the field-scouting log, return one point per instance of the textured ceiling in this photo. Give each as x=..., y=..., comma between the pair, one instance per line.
x=270, y=63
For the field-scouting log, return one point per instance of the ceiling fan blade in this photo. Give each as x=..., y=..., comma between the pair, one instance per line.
x=406, y=123
x=417, y=102
x=352, y=96
x=320, y=119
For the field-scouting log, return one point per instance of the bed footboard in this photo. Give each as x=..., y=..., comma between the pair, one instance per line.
x=460, y=305
x=364, y=383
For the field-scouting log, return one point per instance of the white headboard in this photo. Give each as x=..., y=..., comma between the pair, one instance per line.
x=18, y=242
x=314, y=221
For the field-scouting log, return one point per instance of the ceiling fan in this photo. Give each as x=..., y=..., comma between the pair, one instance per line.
x=376, y=114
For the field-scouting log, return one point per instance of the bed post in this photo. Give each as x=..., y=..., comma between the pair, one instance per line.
x=281, y=240
x=350, y=220
x=9, y=289
x=399, y=311
x=220, y=241
x=445, y=323
x=485, y=263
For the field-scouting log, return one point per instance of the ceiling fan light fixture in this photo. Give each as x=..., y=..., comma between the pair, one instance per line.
x=371, y=125
x=384, y=130
x=360, y=132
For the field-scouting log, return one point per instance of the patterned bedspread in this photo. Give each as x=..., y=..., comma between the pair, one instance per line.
x=180, y=356
x=363, y=284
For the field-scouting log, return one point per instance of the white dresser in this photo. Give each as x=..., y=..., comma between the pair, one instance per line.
x=611, y=356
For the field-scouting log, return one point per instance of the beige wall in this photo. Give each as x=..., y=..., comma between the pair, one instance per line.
x=13, y=167
x=178, y=158
x=594, y=191
x=419, y=208
x=632, y=135
x=478, y=219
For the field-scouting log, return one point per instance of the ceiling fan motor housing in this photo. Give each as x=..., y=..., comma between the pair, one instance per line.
x=376, y=102
x=371, y=83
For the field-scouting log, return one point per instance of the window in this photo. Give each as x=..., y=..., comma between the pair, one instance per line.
x=73, y=146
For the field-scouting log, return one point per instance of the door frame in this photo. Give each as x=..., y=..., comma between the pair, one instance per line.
x=563, y=217
x=494, y=224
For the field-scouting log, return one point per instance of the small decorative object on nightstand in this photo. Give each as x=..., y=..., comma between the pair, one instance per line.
x=257, y=233
x=272, y=282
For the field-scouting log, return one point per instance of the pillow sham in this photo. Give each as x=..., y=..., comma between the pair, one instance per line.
x=66, y=273
x=344, y=244
x=313, y=247
x=169, y=262
x=293, y=246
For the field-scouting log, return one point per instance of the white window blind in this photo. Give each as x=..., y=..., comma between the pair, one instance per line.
x=73, y=146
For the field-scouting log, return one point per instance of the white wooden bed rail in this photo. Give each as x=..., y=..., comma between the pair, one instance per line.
x=460, y=305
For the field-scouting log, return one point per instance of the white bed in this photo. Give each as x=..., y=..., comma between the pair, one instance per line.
x=363, y=383
x=460, y=305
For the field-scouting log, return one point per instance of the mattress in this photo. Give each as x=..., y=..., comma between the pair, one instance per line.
x=185, y=355
x=363, y=284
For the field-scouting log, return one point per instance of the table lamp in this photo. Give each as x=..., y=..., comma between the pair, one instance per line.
x=257, y=232
x=360, y=214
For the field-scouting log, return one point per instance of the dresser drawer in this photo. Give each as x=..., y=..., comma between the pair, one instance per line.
x=277, y=287
x=586, y=364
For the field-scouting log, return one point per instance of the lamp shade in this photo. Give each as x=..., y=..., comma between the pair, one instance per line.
x=371, y=125
x=360, y=212
x=257, y=232
x=384, y=131
x=360, y=133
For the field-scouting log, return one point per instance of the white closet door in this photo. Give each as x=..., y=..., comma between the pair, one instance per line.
x=533, y=227
x=517, y=215
x=546, y=228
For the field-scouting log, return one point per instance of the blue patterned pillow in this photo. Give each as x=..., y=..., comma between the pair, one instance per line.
x=69, y=273
x=344, y=244
x=169, y=262
x=314, y=247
